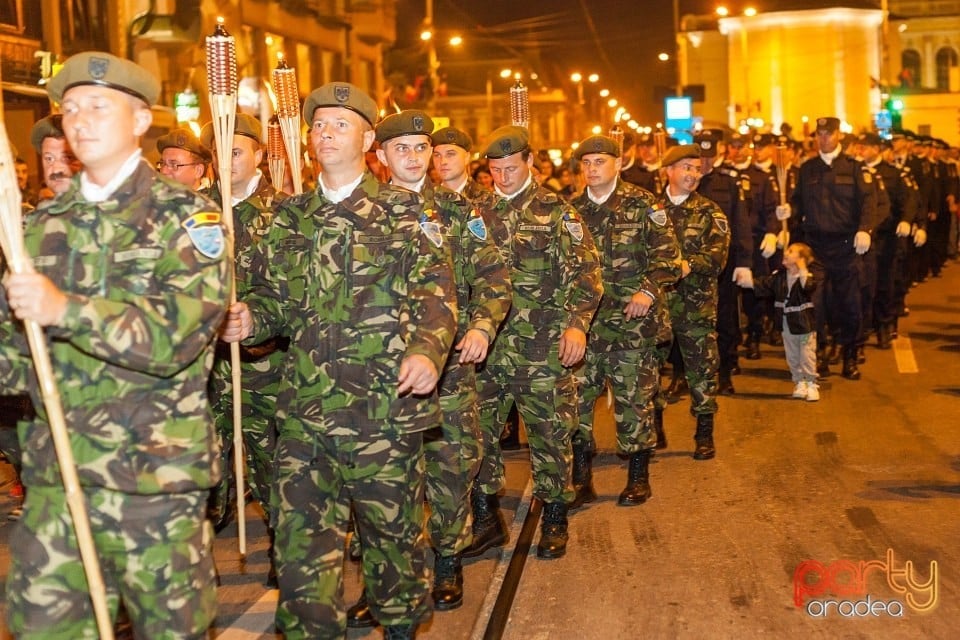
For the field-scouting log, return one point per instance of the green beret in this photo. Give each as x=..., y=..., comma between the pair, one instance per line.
x=507, y=141
x=184, y=139
x=680, y=152
x=49, y=127
x=104, y=70
x=243, y=126
x=340, y=94
x=829, y=125
x=597, y=144
x=452, y=135
x=406, y=123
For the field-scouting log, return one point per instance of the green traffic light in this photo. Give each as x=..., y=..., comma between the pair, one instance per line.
x=896, y=105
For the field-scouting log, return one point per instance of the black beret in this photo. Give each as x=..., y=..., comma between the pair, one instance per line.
x=340, y=94
x=104, y=70
x=243, y=126
x=506, y=141
x=763, y=139
x=49, y=127
x=184, y=139
x=405, y=123
x=597, y=144
x=452, y=135
x=830, y=124
x=680, y=152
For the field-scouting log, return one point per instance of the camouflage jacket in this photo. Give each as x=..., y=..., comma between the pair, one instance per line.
x=704, y=237
x=147, y=283
x=251, y=221
x=555, y=272
x=639, y=252
x=483, y=280
x=358, y=286
x=472, y=190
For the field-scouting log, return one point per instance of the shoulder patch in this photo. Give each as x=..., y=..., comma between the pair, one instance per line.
x=575, y=229
x=206, y=233
x=476, y=226
x=721, y=223
x=430, y=227
x=867, y=176
x=658, y=214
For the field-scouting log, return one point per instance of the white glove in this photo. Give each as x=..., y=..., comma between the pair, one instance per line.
x=919, y=237
x=743, y=276
x=903, y=229
x=783, y=239
x=861, y=242
x=783, y=212
x=768, y=245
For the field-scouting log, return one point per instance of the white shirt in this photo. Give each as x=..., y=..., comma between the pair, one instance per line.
x=830, y=157
x=514, y=194
x=676, y=199
x=463, y=184
x=95, y=193
x=600, y=199
x=338, y=195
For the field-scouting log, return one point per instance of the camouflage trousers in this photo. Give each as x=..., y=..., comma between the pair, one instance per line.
x=156, y=555
x=695, y=330
x=452, y=453
x=546, y=398
x=633, y=376
x=319, y=479
x=260, y=381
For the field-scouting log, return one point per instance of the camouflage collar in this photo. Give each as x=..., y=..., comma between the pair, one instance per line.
x=142, y=176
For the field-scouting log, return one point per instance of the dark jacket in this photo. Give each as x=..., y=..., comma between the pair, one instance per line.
x=796, y=304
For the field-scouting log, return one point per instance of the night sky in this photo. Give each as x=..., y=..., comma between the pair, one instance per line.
x=622, y=47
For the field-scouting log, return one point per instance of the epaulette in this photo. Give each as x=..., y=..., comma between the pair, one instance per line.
x=867, y=174
x=727, y=171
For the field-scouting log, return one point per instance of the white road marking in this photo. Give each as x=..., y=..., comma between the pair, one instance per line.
x=903, y=352
x=256, y=621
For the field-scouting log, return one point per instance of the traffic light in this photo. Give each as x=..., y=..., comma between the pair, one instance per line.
x=895, y=107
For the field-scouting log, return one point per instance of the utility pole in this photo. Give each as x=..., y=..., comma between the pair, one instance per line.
x=432, y=61
x=678, y=55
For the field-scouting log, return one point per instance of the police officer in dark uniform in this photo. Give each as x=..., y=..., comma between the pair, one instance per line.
x=642, y=166
x=902, y=193
x=721, y=184
x=835, y=205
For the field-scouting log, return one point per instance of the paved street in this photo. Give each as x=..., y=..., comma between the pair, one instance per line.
x=870, y=474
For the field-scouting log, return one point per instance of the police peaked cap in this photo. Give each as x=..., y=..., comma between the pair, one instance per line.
x=870, y=139
x=406, y=123
x=104, y=70
x=764, y=139
x=597, y=144
x=707, y=141
x=340, y=94
x=244, y=125
x=49, y=127
x=184, y=139
x=452, y=135
x=830, y=124
x=680, y=152
x=506, y=141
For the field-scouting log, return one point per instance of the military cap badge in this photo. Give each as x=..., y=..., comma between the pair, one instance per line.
x=341, y=93
x=97, y=67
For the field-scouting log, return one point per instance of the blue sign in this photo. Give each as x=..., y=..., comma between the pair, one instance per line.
x=678, y=111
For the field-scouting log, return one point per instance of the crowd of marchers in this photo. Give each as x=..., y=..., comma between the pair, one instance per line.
x=392, y=315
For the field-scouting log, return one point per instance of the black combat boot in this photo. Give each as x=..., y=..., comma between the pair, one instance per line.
x=638, y=480
x=833, y=353
x=582, y=476
x=823, y=364
x=861, y=355
x=447, y=582
x=850, y=370
x=704, y=437
x=400, y=632
x=489, y=529
x=658, y=427
x=553, y=531
x=359, y=615
x=753, y=348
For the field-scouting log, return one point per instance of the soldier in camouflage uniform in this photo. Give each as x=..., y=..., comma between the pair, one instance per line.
x=640, y=257
x=358, y=275
x=183, y=158
x=483, y=298
x=555, y=272
x=131, y=285
x=253, y=201
x=704, y=237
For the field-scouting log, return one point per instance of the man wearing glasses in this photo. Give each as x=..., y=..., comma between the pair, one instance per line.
x=183, y=158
